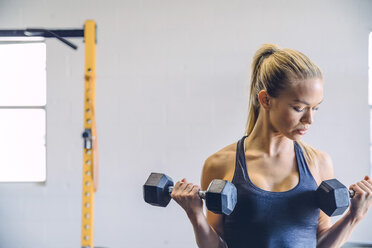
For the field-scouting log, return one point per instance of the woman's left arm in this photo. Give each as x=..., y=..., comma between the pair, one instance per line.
x=337, y=234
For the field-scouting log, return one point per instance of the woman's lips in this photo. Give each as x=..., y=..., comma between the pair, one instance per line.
x=302, y=131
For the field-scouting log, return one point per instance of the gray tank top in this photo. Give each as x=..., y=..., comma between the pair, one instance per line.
x=272, y=219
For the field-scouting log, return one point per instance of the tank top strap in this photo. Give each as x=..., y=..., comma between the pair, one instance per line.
x=303, y=169
x=241, y=173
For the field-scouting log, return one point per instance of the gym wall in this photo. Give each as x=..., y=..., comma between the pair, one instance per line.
x=172, y=88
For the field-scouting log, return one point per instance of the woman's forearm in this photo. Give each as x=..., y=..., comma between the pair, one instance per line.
x=338, y=233
x=205, y=236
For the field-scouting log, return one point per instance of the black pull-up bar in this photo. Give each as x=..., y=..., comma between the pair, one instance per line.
x=46, y=33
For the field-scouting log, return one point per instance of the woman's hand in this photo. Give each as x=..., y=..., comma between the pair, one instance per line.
x=187, y=196
x=362, y=199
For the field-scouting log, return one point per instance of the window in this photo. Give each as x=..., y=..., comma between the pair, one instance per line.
x=370, y=93
x=22, y=111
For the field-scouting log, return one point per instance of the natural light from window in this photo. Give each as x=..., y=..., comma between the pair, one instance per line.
x=370, y=95
x=23, y=74
x=22, y=112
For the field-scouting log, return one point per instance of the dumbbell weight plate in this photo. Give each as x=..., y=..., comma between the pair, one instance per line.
x=155, y=190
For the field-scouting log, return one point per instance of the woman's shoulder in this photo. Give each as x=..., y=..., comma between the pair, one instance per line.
x=219, y=165
x=324, y=164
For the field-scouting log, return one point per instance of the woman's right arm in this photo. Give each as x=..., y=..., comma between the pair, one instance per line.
x=207, y=229
x=206, y=236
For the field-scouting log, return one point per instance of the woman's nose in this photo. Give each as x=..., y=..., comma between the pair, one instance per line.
x=308, y=117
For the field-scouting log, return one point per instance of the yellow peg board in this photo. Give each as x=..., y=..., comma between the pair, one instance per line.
x=90, y=137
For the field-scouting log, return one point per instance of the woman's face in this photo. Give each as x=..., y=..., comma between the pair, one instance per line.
x=292, y=112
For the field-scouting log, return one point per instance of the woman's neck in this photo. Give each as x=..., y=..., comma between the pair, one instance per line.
x=266, y=140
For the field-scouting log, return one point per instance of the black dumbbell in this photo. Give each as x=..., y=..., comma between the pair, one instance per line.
x=333, y=197
x=220, y=197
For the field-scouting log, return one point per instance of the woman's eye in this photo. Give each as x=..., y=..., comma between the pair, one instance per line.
x=298, y=109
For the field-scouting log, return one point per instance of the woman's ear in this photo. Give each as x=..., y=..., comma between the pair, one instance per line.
x=265, y=99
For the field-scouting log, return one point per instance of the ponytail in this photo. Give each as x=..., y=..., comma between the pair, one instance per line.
x=257, y=85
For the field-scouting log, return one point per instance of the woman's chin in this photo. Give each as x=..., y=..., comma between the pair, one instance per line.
x=295, y=137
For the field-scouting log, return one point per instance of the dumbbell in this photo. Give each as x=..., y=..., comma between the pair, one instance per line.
x=220, y=197
x=333, y=197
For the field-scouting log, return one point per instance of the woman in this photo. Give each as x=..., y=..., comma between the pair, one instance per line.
x=274, y=171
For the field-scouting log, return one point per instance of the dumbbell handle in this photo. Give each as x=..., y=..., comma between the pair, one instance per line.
x=201, y=193
x=351, y=193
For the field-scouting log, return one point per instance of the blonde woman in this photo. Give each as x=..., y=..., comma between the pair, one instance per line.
x=274, y=172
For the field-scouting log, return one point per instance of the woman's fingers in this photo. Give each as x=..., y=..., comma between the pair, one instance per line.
x=364, y=189
x=184, y=189
x=179, y=183
x=187, y=188
x=356, y=188
x=362, y=200
x=177, y=187
x=367, y=184
x=195, y=189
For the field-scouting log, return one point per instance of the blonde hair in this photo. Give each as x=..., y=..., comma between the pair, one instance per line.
x=273, y=69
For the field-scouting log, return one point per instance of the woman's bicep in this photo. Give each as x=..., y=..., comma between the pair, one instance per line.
x=216, y=222
x=212, y=169
x=325, y=172
x=324, y=223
